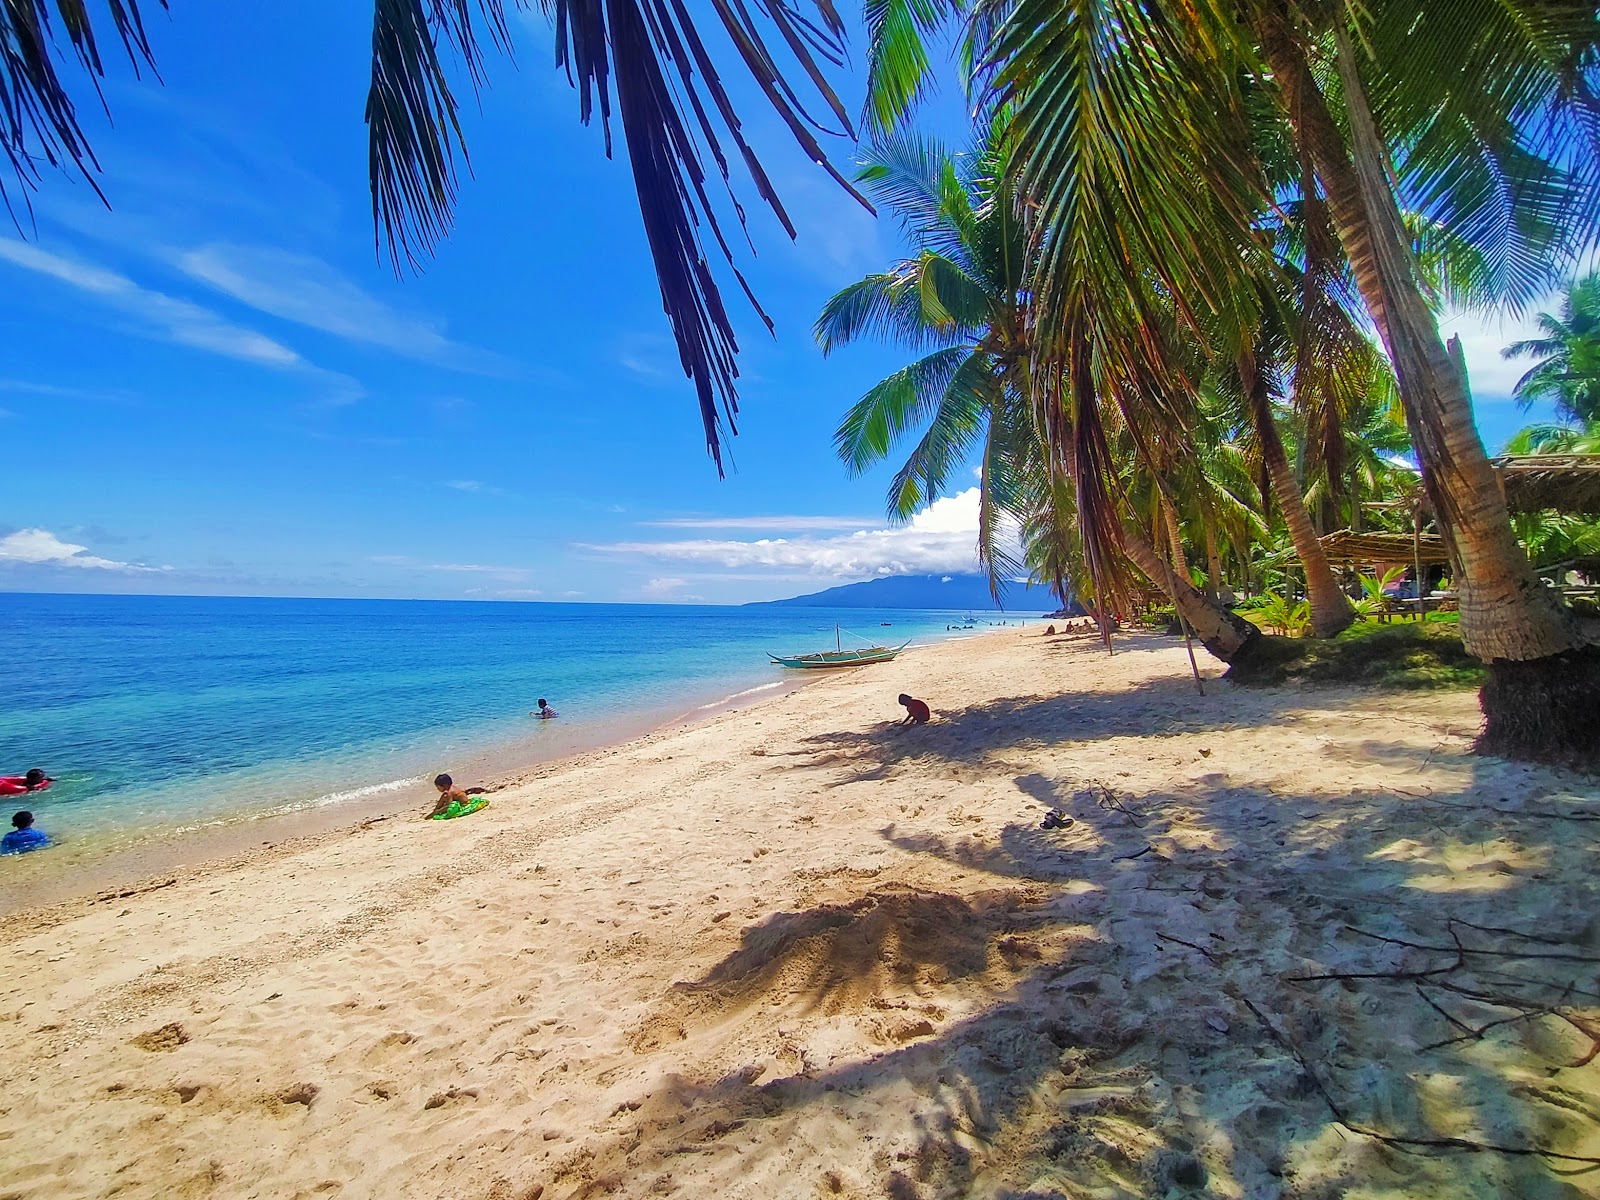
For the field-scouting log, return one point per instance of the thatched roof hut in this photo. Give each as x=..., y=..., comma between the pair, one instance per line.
x=1348, y=549
x=1566, y=483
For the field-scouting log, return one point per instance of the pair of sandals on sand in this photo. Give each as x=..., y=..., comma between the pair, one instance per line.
x=1056, y=819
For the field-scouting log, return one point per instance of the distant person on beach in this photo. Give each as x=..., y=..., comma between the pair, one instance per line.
x=450, y=794
x=916, y=711
x=24, y=837
x=544, y=712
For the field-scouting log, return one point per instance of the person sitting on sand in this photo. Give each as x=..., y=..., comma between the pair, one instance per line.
x=916, y=711
x=544, y=712
x=24, y=837
x=450, y=794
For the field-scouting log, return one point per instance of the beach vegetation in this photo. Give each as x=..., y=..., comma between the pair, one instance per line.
x=1403, y=655
x=1566, y=355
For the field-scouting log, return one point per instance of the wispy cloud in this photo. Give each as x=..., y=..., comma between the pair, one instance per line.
x=310, y=292
x=941, y=538
x=41, y=548
x=476, y=487
x=509, y=574
x=172, y=319
x=668, y=588
x=776, y=523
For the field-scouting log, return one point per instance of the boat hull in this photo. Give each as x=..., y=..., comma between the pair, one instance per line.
x=829, y=659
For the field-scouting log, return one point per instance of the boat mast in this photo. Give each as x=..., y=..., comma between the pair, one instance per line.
x=837, y=644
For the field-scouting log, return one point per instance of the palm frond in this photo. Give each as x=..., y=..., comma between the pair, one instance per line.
x=649, y=57
x=38, y=120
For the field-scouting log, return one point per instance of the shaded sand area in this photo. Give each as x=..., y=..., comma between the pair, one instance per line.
x=793, y=952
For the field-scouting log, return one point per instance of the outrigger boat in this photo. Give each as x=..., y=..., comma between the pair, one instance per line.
x=839, y=656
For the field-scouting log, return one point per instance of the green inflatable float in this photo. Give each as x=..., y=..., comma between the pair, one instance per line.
x=458, y=809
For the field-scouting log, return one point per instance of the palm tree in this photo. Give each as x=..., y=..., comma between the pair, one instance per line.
x=1135, y=144
x=1568, y=367
x=960, y=297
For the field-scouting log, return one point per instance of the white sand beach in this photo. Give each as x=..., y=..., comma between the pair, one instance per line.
x=793, y=952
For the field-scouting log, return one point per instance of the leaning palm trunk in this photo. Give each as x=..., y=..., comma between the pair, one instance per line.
x=1331, y=610
x=1543, y=695
x=1227, y=636
x=1180, y=561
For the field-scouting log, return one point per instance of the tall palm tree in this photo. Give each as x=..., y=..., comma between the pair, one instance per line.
x=960, y=296
x=1568, y=367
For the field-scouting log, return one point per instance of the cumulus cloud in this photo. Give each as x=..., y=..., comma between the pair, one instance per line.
x=940, y=539
x=41, y=548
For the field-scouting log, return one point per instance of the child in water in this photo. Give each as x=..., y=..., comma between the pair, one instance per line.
x=24, y=837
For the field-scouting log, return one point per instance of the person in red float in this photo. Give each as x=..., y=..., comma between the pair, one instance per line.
x=21, y=785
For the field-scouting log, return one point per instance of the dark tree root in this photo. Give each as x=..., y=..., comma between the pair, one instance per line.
x=1546, y=710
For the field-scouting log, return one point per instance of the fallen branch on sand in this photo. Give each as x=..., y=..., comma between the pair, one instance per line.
x=1446, y=1143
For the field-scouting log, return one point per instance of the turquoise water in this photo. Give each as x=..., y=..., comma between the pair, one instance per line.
x=161, y=713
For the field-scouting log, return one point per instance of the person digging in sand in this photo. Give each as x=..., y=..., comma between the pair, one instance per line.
x=916, y=711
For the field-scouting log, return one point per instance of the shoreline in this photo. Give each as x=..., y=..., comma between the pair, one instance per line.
x=219, y=845
x=796, y=950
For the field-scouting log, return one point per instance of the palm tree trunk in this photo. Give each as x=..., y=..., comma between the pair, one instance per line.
x=1543, y=695
x=1180, y=562
x=1216, y=586
x=1226, y=635
x=1331, y=610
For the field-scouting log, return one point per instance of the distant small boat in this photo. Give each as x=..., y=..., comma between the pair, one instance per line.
x=839, y=656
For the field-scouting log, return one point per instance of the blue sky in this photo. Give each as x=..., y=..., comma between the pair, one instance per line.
x=217, y=388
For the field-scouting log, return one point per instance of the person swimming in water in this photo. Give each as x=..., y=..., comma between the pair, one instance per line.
x=544, y=712
x=24, y=837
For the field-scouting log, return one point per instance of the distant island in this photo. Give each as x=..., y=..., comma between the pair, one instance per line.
x=925, y=591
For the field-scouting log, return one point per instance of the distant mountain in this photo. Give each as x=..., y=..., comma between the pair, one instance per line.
x=925, y=591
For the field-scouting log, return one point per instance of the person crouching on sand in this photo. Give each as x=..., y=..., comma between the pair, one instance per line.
x=916, y=711
x=544, y=712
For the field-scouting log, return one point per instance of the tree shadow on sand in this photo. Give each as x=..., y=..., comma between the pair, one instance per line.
x=1159, y=709
x=1227, y=990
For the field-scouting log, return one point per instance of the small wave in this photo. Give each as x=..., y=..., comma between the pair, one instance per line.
x=373, y=789
x=729, y=699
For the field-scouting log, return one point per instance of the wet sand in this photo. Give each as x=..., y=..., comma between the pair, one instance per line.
x=1290, y=944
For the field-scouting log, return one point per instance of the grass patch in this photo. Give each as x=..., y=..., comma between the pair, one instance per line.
x=1408, y=655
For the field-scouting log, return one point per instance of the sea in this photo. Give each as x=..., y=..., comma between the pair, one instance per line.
x=163, y=715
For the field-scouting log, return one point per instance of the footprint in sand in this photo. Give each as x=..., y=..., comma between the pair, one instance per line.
x=386, y=1047
x=168, y=1037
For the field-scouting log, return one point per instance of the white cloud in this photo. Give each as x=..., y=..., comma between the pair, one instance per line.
x=774, y=523
x=505, y=574
x=307, y=291
x=941, y=538
x=662, y=587
x=172, y=319
x=465, y=485
x=1493, y=377
x=41, y=548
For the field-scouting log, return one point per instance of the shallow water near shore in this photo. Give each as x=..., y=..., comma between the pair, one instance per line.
x=163, y=715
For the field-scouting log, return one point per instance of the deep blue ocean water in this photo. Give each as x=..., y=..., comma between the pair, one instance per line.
x=161, y=713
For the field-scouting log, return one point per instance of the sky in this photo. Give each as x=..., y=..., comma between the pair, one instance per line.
x=217, y=387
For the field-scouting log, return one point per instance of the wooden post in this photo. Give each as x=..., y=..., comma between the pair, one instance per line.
x=1416, y=556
